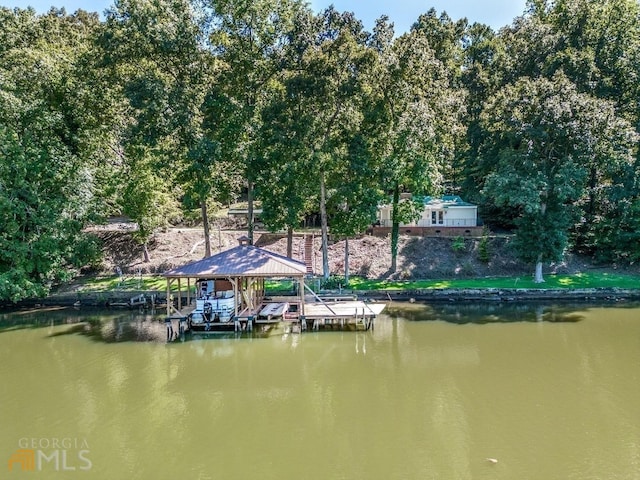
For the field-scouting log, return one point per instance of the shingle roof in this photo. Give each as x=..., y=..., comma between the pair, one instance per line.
x=241, y=261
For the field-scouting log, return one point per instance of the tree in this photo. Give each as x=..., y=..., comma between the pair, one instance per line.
x=46, y=178
x=312, y=117
x=249, y=37
x=600, y=53
x=284, y=186
x=159, y=53
x=481, y=79
x=543, y=134
x=146, y=197
x=356, y=198
x=596, y=46
x=414, y=119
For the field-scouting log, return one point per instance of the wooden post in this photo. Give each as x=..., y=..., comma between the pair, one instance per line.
x=235, y=295
x=248, y=293
x=179, y=294
x=168, y=295
x=301, y=294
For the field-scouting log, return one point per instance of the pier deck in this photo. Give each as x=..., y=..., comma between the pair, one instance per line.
x=343, y=314
x=336, y=313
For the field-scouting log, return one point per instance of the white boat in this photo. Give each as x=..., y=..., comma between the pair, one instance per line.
x=274, y=310
x=210, y=310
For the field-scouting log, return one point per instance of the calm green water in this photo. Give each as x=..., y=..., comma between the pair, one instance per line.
x=551, y=393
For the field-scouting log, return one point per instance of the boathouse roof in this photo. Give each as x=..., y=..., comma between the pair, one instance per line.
x=241, y=261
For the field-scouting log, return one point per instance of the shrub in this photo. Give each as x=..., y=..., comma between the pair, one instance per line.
x=334, y=282
x=458, y=245
x=484, y=254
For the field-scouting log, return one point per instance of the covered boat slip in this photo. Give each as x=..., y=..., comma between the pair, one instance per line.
x=230, y=289
x=230, y=295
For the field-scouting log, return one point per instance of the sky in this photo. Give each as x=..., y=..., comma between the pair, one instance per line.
x=403, y=13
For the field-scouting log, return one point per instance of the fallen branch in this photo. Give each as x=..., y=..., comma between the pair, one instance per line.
x=190, y=252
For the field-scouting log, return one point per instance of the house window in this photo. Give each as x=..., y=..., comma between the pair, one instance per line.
x=433, y=218
x=440, y=218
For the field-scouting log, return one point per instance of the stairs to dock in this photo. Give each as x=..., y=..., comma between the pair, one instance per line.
x=308, y=253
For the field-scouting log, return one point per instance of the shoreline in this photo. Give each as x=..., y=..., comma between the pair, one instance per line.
x=505, y=294
x=115, y=299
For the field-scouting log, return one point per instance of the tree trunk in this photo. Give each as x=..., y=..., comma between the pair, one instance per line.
x=538, y=277
x=325, y=228
x=145, y=252
x=346, y=261
x=395, y=228
x=250, y=211
x=290, y=242
x=205, y=226
x=593, y=185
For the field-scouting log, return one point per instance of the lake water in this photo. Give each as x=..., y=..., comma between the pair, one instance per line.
x=550, y=392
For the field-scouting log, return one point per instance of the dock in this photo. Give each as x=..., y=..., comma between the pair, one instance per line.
x=227, y=292
x=333, y=315
x=343, y=314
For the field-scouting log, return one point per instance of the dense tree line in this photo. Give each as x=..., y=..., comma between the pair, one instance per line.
x=168, y=108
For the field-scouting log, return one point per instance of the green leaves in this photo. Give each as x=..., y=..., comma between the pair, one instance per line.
x=546, y=136
x=311, y=129
x=46, y=190
x=414, y=112
x=174, y=101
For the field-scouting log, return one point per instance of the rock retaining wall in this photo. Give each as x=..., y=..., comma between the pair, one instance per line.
x=503, y=295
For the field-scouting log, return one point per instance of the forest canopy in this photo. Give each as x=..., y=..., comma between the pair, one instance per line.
x=165, y=110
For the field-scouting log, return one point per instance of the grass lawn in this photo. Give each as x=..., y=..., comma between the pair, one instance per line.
x=580, y=280
x=126, y=283
x=577, y=281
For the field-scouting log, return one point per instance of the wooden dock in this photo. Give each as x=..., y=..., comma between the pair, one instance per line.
x=343, y=314
x=334, y=313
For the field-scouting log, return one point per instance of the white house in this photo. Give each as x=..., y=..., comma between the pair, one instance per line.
x=447, y=211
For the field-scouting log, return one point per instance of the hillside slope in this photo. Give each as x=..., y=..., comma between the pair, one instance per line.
x=418, y=258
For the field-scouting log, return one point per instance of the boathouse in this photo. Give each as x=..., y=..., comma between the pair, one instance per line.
x=229, y=288
x=226, y=291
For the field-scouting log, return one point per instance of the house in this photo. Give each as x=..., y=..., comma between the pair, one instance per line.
x=447, y=215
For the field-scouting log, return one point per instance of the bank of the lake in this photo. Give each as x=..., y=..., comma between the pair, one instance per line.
x=409, y=292
x=418, y=258
x=429, y=269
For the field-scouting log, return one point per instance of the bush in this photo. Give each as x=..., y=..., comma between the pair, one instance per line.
x=484, y=254
x=458, y=245
x=334, y=282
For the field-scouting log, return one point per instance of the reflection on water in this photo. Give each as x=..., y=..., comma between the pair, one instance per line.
x=489, y=312
x=432, y=392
